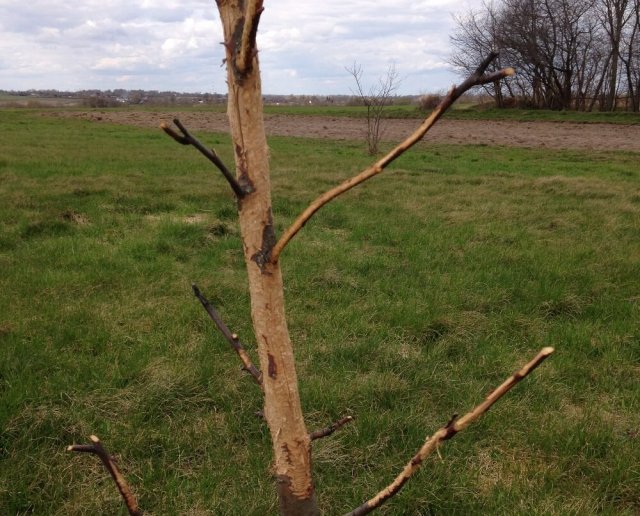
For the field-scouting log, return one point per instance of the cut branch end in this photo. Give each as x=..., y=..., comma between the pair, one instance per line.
x=324, y=432
x=107, y=460
x=477, y=78
x=448, y=431
x=232, y=338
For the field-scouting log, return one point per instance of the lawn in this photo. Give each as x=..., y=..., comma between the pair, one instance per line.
x=409, y=299
x=464, y=111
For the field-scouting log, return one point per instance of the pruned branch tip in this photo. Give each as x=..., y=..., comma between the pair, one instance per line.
x=123, y=487
x=448, y=431
x=480, y=77
x=186, y=138
x=232, y=338
x=324, y=432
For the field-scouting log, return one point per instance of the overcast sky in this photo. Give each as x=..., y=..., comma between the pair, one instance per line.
x=175, y=45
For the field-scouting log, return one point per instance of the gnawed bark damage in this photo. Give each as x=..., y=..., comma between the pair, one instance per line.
x=251, y=184
x=282, y=410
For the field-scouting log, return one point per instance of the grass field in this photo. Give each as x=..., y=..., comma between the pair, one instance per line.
x=409, y=299
x=466, y=112
x=18, y=101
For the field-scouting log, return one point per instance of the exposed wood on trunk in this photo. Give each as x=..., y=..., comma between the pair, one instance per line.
x=282, y=410
x=291, y=441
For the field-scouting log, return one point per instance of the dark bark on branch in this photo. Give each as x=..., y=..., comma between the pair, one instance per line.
x=447, y=432
x=324, y=432
x=97, y=449
x=232, y=338
x=477, y=78
x=188, y=139
x=247, y=46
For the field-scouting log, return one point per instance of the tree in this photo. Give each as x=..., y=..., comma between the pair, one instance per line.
x=569, y=53
x=630, y=57
x=614, y=16
x=377, y=97
x=545, y=37
x=276, y=376
x=477, y=35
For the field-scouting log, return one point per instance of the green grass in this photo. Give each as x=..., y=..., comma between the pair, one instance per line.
x=395, y=111
x=408, y=300
x=465, y=112
x=546, y=115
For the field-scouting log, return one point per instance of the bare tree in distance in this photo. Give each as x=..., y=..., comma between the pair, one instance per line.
x=570, y=54
x=375, y=98
x=477, y=36
x=276, y=375
x=614, y=15
x=631, y=57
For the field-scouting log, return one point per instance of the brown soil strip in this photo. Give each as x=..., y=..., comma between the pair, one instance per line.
x=565, y=135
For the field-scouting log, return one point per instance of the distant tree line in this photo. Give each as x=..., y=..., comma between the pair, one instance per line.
x=569, y=54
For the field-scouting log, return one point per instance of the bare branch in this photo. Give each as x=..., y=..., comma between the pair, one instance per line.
x=232, y=338
x=324, y=432
x=355, y=70
x=447, y=432
x=97, y=449
x=475, y=79
x=188, y=139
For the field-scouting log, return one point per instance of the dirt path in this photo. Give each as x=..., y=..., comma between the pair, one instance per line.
x=565, y=135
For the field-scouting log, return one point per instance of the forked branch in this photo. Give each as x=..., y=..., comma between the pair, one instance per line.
x=232, y=338
x=477, y=78
x=97, y=449
x=247, y=48
x=324, y=432
x=447, y=432
x=186, y=138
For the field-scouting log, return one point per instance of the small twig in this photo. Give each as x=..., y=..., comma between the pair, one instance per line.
x=188, y=139
x=97, y=449
x=324, y=432
x=247, y=49
x=447, y=432
x=232, y=338
x=475, y=79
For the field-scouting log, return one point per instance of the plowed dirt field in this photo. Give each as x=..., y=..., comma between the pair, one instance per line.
x=564, y=135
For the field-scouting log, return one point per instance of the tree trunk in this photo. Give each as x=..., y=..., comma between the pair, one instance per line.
x=282, y=410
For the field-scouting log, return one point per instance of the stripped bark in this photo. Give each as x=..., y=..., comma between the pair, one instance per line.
x=291, y=441
x=282, y=409
x=477, y=78
x=448, y=431
x=123, y=487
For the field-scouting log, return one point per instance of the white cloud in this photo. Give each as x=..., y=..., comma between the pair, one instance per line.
x=170, y=44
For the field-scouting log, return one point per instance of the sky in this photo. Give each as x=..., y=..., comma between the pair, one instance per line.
x=304, y=46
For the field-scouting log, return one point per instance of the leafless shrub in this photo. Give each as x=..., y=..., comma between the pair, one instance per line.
x=375, y=99
x=99, y=101
x=429, y=102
